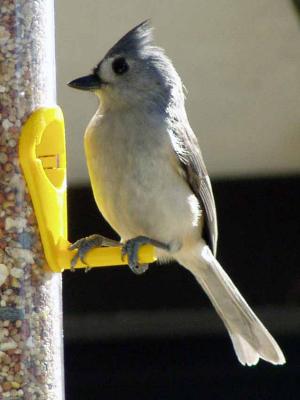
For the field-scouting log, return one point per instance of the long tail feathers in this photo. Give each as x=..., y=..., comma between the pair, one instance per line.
x=251, y=340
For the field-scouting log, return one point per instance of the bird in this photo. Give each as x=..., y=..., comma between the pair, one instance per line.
x=150, y=182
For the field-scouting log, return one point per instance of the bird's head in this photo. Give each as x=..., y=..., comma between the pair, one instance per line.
x=134, y=72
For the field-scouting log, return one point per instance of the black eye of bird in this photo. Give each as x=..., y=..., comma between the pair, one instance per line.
x=120, y=66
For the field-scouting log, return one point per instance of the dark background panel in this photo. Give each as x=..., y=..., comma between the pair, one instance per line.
x=259, y=231
x=189, y=368
x=156, y=336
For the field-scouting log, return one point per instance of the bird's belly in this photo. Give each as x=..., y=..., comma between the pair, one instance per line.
x=142, y=197
x=135, y=182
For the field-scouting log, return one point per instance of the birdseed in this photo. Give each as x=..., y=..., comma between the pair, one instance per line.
x=30, y=297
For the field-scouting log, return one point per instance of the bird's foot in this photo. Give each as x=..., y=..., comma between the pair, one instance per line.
x=131, y=249
x=88, y=243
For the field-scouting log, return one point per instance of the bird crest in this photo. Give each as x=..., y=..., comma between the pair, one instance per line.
x=135, y=41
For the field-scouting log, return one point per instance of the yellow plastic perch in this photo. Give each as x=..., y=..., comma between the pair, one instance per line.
x=42, y=155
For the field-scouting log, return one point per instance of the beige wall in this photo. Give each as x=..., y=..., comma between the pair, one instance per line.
x=239, y=59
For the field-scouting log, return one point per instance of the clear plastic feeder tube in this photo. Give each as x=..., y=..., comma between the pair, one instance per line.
x=31, y=361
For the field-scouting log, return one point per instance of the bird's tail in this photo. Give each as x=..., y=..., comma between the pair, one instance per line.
x=251, y=340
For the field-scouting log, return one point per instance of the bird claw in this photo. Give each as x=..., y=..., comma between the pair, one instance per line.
x=84, y=245
x=131, y=249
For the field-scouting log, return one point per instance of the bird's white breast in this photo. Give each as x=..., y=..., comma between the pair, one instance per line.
x=134, y=180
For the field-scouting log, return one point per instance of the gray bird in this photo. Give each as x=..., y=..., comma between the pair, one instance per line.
x=150, y=182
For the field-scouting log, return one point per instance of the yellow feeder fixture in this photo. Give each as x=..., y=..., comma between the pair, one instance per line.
x=42, y=153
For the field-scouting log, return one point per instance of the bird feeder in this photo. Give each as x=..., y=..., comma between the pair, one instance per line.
x=43, y=159
x=31, y=356
x=33, y=207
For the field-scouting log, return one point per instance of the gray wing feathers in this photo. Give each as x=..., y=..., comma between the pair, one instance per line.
x=187, y=149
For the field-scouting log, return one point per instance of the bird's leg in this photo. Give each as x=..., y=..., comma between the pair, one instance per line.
x=88, y=243
x=131, y=249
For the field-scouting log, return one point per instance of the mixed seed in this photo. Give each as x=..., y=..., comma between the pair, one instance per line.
x=30, y=309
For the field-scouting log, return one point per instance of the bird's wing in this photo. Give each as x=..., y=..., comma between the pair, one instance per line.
x=188, y=152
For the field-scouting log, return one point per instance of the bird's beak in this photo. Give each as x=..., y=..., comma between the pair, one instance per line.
x=88, y=82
